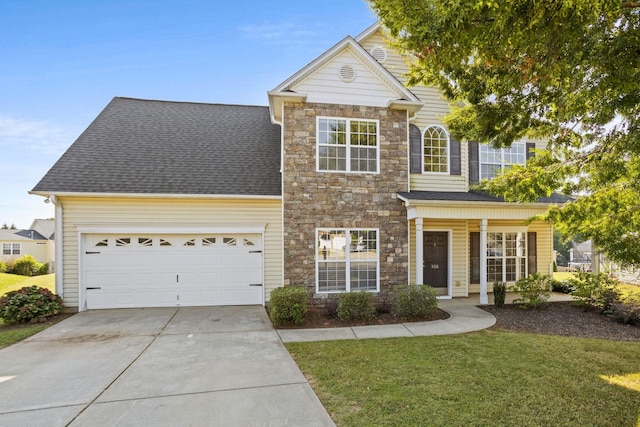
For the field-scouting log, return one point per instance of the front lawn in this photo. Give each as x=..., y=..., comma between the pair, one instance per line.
x=488, y=378
x=11, y=282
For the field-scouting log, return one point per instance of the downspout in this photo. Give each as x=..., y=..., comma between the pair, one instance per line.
x=58, y=245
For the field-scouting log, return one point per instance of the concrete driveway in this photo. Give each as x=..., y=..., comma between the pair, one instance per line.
x=222, y=366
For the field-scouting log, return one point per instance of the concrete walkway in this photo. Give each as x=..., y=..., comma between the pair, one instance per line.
x=207, y=366
x=465, y=316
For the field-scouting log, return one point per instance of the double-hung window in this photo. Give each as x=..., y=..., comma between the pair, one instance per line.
x=11, y=249
x=494, y=160
x=506, y=256
x=347, y=260
x=347, y=145
x=436, y=150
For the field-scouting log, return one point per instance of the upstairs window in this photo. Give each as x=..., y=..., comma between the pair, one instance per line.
x=347, y=145
x=495, y=160
x=436, y=150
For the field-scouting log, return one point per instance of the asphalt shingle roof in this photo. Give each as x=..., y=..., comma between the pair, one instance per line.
x=162, y=147
x=14, y=235
x=470, y=196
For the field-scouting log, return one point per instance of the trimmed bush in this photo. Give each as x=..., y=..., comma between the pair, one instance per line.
x=413, y=301
x=3, y=267
x=356, y=306
x=44, y=269
x=28, y=304
x=597, y=291
x=499, y=293
x=288, y=305
x=534, y=290
x=25, y=266
x=626, y=312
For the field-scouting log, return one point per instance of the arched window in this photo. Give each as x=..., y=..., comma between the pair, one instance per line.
x=436, y=150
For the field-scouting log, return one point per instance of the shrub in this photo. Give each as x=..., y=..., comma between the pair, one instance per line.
x=25, y=266
x=413, y=301
x=44, y=269
x=3, y=267
x=626, y=312
x=356, y=306
x=288, y=305
x=29, y=303
x=597, y=291
x=499, y=293
x=533, y=290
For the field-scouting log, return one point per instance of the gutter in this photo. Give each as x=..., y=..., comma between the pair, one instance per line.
x=153, y=195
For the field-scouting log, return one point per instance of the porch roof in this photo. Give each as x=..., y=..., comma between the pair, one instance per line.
x=470, y=196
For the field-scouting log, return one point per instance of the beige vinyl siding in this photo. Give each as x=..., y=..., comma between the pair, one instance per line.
x=544, y=246
x=325, y=85
x=395, y=63
x=434, y=109
x=40, y=250
x=458, y=251
x=169, y=213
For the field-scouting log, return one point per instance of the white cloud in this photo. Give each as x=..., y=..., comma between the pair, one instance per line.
x=37, y=137
x=286, y=33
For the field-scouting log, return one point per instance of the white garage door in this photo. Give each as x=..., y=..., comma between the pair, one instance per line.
x=127, y=270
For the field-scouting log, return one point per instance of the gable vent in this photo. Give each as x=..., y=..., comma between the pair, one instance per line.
x=379, y=53
x=347, y=73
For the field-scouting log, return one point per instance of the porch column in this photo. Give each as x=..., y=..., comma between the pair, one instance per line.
x=484, y=298
x=419, y=252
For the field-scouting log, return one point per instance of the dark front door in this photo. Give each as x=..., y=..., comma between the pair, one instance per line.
x=436, y=260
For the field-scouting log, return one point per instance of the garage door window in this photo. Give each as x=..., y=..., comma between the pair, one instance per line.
x=347, y=260
x=145, y=241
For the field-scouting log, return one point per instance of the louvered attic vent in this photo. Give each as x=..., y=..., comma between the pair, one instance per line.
x=379, y=53
x=347, y=73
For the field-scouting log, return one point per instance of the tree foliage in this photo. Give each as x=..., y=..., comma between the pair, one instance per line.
x=564, y=71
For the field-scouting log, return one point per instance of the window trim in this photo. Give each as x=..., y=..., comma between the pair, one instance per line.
x=502, y=164
x=447, y=154
x=347, y=260
x=524, y=258
x=11, y=248
x=347, y=145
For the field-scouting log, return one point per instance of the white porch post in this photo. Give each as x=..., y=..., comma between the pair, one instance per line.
x=484, y=298
x=419, y=252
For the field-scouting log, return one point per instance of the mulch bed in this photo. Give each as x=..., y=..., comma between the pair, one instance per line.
x=562, y=318
x=49, y=321
x=318, y=317
x=555, y=318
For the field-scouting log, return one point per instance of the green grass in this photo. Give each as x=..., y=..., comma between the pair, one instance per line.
x=631, y=292
x=488, y=378
x=563, y=275
x=10, y=336
x=10, y=282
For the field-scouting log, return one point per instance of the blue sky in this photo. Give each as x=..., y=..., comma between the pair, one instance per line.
x=61, y=62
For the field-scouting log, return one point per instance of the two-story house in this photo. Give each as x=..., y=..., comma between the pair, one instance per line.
x=347, y=181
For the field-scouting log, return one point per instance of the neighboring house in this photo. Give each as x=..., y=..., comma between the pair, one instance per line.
x=348, y=180
x=36, y=241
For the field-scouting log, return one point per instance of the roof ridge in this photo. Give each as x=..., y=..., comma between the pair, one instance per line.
x=168, y=101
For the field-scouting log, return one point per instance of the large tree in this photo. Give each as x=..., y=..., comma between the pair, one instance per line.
x=566, y=71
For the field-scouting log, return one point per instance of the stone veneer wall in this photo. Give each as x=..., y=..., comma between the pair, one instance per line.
x=334, y=199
